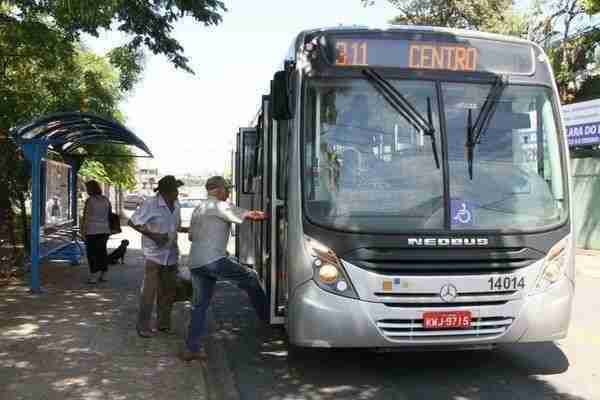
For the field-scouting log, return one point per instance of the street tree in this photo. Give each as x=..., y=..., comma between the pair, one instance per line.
x=485, y=15
x=560, y=27
x=591, y=6
x=37, y=83
x=43, y=70
x=148, y=24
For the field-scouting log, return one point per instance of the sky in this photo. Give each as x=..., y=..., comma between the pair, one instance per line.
x=189, y=121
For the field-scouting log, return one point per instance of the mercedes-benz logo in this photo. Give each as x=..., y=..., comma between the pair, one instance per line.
x=448, y=293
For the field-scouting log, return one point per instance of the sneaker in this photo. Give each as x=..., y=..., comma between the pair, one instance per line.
x=92, y=281
x=187, y=355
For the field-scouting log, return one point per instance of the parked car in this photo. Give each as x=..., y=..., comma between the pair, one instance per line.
x=133, y=201
x=187, y=206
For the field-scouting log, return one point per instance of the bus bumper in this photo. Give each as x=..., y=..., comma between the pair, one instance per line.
x=317, y=318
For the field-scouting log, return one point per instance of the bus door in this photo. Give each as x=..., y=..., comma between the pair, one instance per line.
x=264, y=195
x=275, y=229
x=244, y=168
x=279, y=220
x=260, y=193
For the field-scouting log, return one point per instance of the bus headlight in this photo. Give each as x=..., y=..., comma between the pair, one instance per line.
x=328, y=274
x=328, y=271
x=555, y=265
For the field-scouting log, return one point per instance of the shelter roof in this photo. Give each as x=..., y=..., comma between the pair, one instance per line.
x=65, y=133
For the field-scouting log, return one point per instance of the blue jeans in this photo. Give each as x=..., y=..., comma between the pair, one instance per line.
x=204, y=280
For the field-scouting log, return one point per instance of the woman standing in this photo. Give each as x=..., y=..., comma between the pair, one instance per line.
x=96, y=229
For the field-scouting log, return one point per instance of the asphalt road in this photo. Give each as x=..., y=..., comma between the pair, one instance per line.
x=262, y=367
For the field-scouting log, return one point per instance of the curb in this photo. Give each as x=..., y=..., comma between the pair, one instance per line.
x=220, y=380
x=587, y=252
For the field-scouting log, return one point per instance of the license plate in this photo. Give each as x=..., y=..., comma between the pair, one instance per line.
x=447, y=320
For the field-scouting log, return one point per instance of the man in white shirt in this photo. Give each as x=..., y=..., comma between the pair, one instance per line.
x=208, y=261
x=158, y=219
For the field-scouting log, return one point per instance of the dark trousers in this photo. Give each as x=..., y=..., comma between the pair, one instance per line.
x=204, y=280
x=160, y=286
x=95, y=247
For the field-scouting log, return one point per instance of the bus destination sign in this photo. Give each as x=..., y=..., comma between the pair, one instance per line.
x=473, y=55
x=455, y=58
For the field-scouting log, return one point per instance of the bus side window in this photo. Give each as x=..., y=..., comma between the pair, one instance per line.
x=310, y=158
x=248, y=160
x=258, y=161
x=283, y=132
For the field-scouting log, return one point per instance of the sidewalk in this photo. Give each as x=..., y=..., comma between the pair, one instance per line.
x=78, y=341
x=588, y=262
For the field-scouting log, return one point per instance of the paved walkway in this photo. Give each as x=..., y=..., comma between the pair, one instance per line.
x=587, y=262
x=78, y=341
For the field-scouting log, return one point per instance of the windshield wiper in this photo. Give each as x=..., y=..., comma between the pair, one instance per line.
x=475, y=131
x=405, y=108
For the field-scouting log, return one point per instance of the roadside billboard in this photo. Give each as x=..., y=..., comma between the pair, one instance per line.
x=582, y=122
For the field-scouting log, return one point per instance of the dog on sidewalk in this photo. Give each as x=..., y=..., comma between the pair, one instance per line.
x=119, y=253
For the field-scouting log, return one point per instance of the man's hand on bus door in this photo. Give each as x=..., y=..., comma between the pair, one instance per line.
x=255, y=215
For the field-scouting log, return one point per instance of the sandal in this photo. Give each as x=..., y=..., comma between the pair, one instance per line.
x=187, y=355
x=143, y=333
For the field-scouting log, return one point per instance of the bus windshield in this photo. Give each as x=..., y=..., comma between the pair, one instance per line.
x=367, y=168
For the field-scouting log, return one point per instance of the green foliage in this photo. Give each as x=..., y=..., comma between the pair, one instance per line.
x=486, y=15
x=129, y=62
x=101, y=91
x=98, y=83
x=33, y=58
x=512, y=24
x=43, y=70
x=589, y=89
x=92, y=169
x=556, y=26
x=591, y=6
x=110, y=163
x=148, y=23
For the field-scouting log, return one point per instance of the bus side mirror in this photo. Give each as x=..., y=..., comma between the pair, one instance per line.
x=282, y=108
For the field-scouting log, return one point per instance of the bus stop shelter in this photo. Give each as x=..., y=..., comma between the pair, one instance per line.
x=65, y=134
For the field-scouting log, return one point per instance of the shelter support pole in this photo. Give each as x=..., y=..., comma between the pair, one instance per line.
x=75, y=162
x=35, y=152
x=74, y=252
x=73, y=193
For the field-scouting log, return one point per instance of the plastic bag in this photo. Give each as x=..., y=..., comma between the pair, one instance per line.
x=185, y=291
x=183, y=270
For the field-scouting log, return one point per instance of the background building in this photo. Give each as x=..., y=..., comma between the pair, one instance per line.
x=146, y=176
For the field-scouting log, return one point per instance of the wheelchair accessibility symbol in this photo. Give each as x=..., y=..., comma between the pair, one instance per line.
x=461, y=213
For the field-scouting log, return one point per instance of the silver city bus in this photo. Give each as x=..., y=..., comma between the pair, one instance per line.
x=418, y=187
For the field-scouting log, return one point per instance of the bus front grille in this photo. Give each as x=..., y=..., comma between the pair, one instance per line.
x=446, y=305
x=411, y=300
x=413, y=330
x=434, y=262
